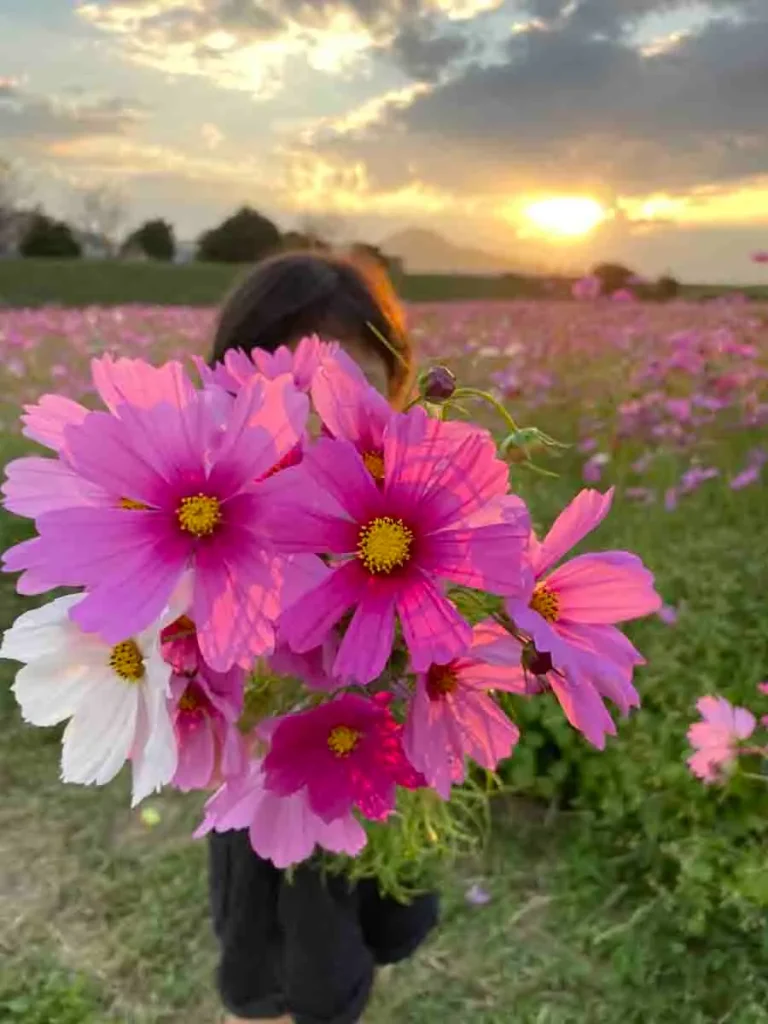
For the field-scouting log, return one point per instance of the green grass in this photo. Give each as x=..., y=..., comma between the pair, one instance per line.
x=80, y=283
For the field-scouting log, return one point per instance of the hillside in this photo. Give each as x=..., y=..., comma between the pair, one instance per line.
x=427, y=252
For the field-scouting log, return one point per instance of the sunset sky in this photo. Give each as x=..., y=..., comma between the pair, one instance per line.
x=456, y=115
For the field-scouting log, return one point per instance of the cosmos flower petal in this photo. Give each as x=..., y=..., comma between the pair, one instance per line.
x=47, y=420
x=609, y=587
x=35, y=486
x=580, y=517
x=306, y=623
x=433, y=630
x=367, y=643
x=100, y=734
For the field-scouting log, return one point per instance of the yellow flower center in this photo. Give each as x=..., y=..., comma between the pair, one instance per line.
x=374, y=463
x=199, y=514
x=133, y=506
x=546, y=602
x=384, y=544
x=441, y=680
x=127, y=662
x=342, y=740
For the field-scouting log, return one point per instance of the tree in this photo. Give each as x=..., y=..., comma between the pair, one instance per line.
x=245, y=237
x=49, y=238
x=667, y=288
x=613, y=277
x=155, y=239
x=296, y=240
x=12, y=190
x=101, y=212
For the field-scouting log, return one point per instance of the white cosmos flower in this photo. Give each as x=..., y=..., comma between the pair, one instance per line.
x=115, y=697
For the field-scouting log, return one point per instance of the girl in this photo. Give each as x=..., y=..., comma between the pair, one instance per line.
x=305, y=948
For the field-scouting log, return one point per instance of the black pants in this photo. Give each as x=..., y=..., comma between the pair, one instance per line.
x=306, y=947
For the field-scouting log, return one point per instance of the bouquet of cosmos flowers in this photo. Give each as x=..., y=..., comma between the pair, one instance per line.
x=291, y=594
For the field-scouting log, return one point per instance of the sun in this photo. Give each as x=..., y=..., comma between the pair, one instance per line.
x=565, y=216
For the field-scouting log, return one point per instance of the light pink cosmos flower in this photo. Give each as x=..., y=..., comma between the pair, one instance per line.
x=205, y=708
x=283, y=829
x=716, y=738
x=562, y=606
x=346, y=753
x=452, y=717
x=441, y=513
x=176, y=503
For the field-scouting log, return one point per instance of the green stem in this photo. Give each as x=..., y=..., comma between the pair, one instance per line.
x=486, y=397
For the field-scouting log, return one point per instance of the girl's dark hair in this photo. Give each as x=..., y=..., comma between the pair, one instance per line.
x=295, y=294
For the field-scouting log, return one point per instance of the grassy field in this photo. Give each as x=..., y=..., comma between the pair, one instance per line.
x=80, y=283
x=641, y=901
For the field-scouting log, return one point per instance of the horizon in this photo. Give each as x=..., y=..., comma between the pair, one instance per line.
x=544, y=132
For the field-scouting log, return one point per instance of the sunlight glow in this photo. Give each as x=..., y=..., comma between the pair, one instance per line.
x=565, y=216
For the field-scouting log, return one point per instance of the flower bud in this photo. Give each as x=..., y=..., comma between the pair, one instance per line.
x=437, y=384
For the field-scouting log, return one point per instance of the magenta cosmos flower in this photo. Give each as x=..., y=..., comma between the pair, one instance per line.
x=177, y=501
x=283, y=829
x=570, y=610
x=205, y=708
x=347, y=753
x=452, y=717
x=440, y=514
x=716, y=738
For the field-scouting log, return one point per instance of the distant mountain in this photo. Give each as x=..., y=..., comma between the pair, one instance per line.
x=427, y=252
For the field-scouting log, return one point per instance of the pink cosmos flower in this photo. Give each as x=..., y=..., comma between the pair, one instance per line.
x=570, y=612
x=761, y=256
x=716, y=738
x=37, y=485
x=174, y=505
x=301, y=363
x=205, y=707
x=346, y=753
x=452, y=717
x=440, y=513
x=282, y=829
x=602, y=669
x=747, y=476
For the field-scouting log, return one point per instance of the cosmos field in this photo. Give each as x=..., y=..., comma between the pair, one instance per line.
x=619, y=888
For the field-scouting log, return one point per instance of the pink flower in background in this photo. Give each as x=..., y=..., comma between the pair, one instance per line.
x=282, y=829
x=593, y=467
x=452, y=717
x=761, y=256
x=747, y=476
x=205, y=708
x=716, y=738
x=440, y=513
x=623, y=295
x=587, y=288
x=668, y=615
x=176, y=506
x=347, y=753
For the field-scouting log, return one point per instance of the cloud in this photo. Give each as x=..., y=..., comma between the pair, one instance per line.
x=566, y=111
x=74, y=113
x=249, y=45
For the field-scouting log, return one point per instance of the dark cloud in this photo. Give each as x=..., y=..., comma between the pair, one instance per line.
x=565, y=109
x=27, y=116
x=425, y=53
